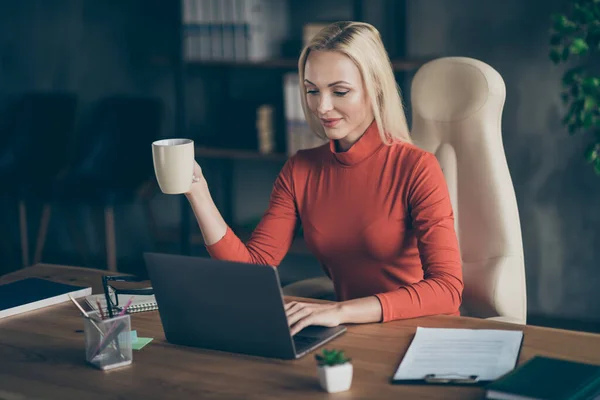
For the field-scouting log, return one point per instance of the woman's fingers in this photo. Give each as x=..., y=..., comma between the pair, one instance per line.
x=301, y=325
x=299, y=315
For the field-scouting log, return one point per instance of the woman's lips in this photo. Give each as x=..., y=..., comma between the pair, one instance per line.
x=330, y=122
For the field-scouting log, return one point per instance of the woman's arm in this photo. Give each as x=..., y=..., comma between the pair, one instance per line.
x=211, y=223
x=440, y=291
x=271, y=239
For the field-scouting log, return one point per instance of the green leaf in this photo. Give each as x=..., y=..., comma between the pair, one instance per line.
x=589, y=104
x=565, y=53
x=590, y=84
x=558, y=21
x=555, y=55
x=597, y=166
x=591, y=153
x=578, y=47
x=587, y=120
x=562, y=24
x=573, y=75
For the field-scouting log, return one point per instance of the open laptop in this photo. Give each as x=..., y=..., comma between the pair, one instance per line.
x=227, y=306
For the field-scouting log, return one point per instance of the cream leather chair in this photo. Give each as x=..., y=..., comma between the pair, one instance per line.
x=457, y=108
x=457, y=111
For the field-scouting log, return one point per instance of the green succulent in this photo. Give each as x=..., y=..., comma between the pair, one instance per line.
x=575, y=38
x=331, y=357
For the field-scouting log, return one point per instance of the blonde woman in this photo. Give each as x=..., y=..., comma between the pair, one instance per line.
x=375, y=209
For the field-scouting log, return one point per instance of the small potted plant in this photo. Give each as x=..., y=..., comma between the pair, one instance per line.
x=334, y=370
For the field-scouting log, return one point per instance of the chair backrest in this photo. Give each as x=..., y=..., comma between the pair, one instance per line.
x=457, y=105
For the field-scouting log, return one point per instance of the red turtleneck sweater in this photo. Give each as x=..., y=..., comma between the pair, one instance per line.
x=377, y=217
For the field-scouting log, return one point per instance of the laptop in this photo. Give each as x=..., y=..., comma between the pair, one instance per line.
x=228, y=306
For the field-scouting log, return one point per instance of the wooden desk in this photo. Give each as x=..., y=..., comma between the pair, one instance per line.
x=42, y=357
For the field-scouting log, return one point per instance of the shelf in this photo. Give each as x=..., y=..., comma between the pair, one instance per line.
x=236, y=154
x=399, y=65
x=171, y=235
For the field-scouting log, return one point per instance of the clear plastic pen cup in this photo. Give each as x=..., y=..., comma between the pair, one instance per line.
x=108, y=342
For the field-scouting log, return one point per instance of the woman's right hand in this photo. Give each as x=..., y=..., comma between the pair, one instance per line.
x=198, y=179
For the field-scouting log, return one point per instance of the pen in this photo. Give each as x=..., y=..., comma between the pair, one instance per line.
x=124, y=310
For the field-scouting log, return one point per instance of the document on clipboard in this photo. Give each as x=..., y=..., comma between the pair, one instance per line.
x=459, y=356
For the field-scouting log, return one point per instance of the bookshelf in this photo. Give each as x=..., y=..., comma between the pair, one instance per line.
x=227, y=85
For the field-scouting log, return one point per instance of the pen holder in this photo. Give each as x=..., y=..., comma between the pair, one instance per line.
x=108, y=342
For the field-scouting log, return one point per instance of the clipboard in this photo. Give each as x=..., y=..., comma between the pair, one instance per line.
x=512, y=342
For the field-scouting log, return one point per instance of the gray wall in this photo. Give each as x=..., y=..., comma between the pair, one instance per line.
x=558, y=195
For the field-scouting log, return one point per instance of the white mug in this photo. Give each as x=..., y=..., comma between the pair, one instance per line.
x=173, y=164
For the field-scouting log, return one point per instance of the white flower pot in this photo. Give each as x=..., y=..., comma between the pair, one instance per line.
x=337, y=378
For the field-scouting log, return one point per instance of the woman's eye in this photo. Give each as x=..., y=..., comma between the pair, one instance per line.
x=312, y=91
x=340, y=93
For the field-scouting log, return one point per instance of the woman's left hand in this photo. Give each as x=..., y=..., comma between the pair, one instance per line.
x=301, y=315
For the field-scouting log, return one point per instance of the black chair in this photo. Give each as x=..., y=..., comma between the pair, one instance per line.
x=35, y=134
x=110, y=163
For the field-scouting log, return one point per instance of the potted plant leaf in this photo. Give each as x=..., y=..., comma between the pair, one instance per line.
x=575, y=40
x=334, y=370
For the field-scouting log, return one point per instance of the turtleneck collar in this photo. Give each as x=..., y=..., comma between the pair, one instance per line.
x=364, y=147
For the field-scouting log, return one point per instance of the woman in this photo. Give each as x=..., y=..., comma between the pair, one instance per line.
x=374, y=208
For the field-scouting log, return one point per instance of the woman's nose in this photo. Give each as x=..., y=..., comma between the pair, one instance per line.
x=325, y=105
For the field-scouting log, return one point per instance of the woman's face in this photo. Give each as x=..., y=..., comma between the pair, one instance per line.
x=336, y=95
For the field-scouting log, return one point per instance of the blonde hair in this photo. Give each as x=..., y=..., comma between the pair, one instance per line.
x=361, y=42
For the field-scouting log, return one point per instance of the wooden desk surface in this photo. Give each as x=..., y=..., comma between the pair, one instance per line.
x=42, y=357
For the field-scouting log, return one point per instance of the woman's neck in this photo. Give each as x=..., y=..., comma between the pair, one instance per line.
x=347, y=142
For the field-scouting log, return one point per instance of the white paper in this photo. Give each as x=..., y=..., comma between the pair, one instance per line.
x=460, y=353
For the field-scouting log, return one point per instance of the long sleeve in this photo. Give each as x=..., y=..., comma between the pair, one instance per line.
x=440, y=291
x=274, y=234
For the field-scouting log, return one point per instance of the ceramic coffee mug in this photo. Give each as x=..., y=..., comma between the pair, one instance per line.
x=173, y=164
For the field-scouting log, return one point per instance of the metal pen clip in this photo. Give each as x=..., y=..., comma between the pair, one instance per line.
x=451, y=378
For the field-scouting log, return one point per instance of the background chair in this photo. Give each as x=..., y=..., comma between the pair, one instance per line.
x=35, y=132
x=109, y=164
x=457, y=107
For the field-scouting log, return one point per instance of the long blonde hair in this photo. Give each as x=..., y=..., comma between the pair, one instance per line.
x=361, y=42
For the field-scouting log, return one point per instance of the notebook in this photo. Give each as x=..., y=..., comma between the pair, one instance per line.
x=140, y=303
x=546, y=379
x=33, y=293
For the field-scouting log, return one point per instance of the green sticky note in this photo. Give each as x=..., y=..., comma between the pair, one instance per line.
x=133, y=336
x=140, y=342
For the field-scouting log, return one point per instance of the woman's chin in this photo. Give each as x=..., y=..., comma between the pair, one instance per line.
x=334, y=134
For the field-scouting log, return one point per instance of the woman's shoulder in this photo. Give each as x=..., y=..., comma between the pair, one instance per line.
x=410, y=154
x=306, y=158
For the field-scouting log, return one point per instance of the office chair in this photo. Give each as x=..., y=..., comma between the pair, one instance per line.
x=457, y=111
x=457, y=107
x=109, y=165
x=35, y=133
